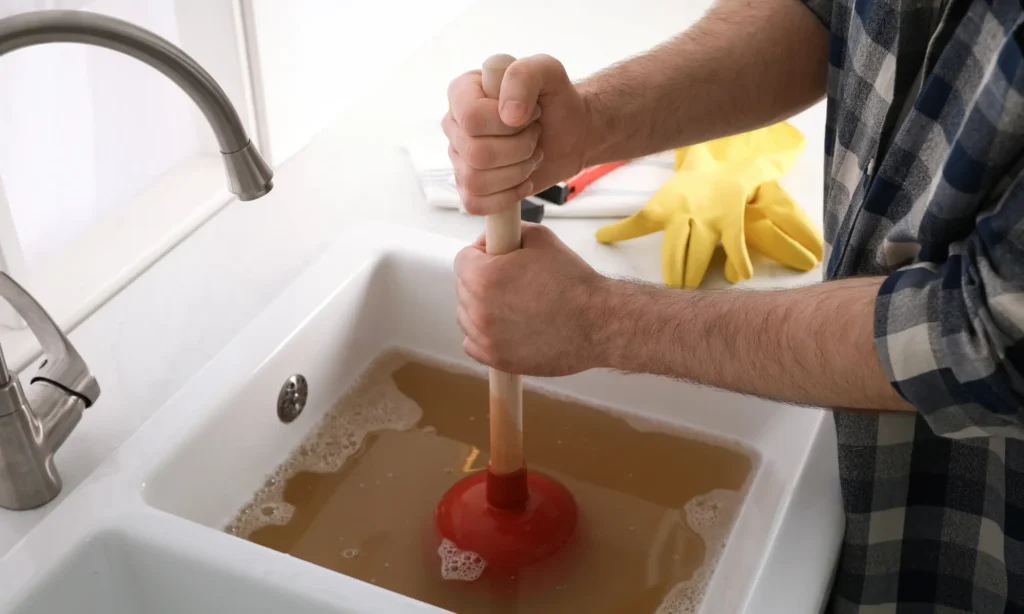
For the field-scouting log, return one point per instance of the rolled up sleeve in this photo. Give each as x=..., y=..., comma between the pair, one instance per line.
x=951, y=336
x=822, y=9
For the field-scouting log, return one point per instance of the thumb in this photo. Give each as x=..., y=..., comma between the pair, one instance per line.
x=525, y=82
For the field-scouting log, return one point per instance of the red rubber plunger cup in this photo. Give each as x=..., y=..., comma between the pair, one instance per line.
x=510, y=517
x=512, y=520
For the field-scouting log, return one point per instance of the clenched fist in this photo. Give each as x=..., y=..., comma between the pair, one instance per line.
x=536, y=311
x=529, y=139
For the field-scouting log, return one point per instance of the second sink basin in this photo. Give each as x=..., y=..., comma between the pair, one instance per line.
x=130, y=569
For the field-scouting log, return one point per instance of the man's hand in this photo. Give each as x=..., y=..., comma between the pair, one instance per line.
x=531, y=311
x=504, y=150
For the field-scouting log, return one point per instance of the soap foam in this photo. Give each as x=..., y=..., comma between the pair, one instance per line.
x=711, y=516
x=461, y=565
x=373, y=403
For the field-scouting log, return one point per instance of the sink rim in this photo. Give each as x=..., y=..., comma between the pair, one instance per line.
x=118, y=486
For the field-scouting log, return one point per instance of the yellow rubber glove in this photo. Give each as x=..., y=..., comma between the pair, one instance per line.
x=706, y=200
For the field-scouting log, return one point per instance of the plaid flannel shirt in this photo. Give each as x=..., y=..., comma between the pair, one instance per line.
x=924, y=185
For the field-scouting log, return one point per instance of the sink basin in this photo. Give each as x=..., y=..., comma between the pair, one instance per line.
x=130, y=569
x=183, y=476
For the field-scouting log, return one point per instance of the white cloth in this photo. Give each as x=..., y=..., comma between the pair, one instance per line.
x=620, y=193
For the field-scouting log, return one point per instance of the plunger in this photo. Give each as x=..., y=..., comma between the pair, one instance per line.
x=509, y=516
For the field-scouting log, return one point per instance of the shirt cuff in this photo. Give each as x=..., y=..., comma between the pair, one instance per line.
x=933, y=344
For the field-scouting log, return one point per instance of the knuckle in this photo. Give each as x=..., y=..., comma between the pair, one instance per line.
x=474, y=120
x=459, y=83
x=461, y=270
x=478, y=154
x=549, y=62
x=518, y=71
x=485, y=322
x=533, y=133
x=473, y=204
x=455, y=159
x=448, y=126
x=477, y=182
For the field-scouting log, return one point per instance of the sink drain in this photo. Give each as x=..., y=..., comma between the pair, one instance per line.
x=292, y=398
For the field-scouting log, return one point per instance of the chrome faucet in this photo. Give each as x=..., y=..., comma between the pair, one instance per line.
x=34, y=423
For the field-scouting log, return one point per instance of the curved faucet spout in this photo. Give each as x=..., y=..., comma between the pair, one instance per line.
x=249, y=175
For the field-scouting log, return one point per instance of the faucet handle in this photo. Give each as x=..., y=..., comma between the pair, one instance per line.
x=62, y=365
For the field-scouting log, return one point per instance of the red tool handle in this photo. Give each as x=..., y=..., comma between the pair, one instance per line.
x=575, y=184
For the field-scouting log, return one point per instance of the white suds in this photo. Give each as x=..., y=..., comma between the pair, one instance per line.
x=458, y=564
x=711, y=516
x=373, y=403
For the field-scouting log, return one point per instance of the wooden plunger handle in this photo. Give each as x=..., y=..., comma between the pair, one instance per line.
x=504, y=235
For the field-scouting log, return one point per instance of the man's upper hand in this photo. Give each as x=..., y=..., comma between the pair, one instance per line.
x=532, y=137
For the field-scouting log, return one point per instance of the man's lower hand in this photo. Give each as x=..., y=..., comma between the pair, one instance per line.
x=536, y=311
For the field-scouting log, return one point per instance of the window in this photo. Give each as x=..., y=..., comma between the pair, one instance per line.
x=105, y=165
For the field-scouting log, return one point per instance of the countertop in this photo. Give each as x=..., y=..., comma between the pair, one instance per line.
x=150, y=339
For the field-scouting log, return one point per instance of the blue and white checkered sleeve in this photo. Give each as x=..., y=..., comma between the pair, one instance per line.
x=951, y=336
x=822, y=9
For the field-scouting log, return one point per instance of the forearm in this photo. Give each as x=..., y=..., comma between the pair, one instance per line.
x=812, y=345
x=744, y=65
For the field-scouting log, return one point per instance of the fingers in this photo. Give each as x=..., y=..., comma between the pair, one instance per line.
x=488, y=152
x=526, y=81
x=730, y=272
x=774, y=203
x=698, y=254
x=497, y=202
x=492, y=160
x=473, y=343
x=766, y=238
x=637, y=225
x=468, y=261
x=473, y=111
x=673, y=252
x=478, y=182
x=734, y=243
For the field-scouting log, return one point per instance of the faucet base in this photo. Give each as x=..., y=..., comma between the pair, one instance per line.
x=28, y=475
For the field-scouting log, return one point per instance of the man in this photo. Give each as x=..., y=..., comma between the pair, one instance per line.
x=919, y=324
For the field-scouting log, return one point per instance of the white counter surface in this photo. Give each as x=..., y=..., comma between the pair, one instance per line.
x=150, y=339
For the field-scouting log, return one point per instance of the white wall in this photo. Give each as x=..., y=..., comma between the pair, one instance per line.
x=316, y=56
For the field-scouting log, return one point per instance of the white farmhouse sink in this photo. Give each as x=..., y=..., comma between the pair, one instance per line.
x=134, y=569
x=147, y=527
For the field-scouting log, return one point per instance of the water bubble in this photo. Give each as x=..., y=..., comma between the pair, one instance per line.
x=351, y=553
x=459, y=564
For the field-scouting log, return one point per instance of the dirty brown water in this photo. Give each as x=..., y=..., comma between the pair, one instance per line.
x=358, y=496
